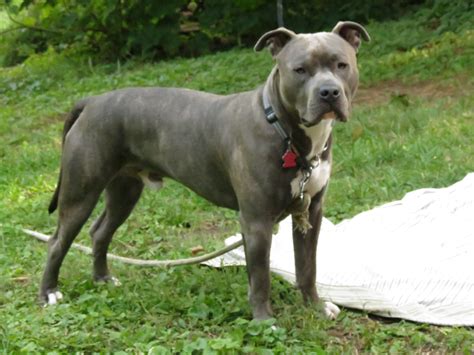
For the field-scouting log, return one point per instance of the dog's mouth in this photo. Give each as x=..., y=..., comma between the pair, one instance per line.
x=334, y=115
x=329, y=116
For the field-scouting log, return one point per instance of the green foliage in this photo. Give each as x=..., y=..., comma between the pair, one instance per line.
x=117, y=29
x=409, y=140
x=111, y=28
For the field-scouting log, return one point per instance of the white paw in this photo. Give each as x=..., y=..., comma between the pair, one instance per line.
x=330, y=310
x=54, y=297
x=115, y=281
x=109, y=280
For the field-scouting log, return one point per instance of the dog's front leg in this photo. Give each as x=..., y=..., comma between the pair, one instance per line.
x=257, y=242
x=305, y=247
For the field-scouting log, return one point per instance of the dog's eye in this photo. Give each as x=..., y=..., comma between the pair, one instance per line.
x=300, y=70
x=342, y=65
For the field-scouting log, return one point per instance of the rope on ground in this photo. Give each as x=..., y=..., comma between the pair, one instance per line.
x=141, y=262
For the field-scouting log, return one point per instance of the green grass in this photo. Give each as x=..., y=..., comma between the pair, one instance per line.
x=388, y=149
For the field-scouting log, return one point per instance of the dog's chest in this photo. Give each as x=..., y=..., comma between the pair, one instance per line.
x=318, y=136
x=317, y=181
x=319, y=178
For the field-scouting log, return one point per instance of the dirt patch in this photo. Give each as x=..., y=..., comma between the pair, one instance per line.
x=383, y=92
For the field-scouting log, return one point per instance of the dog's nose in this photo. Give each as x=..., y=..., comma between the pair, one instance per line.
x=329, y=93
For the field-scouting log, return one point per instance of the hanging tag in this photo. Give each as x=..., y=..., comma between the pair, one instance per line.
x=289, y=159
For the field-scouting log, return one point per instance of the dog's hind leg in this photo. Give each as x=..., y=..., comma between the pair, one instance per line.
x=121, y=195
x=74, y=209
x=84, y=175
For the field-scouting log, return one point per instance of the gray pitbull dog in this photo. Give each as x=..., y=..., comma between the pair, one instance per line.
x=265, y=153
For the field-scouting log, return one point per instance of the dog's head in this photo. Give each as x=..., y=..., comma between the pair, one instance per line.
x=316, y=73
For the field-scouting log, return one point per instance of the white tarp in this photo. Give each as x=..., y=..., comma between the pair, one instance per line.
x=410, y=259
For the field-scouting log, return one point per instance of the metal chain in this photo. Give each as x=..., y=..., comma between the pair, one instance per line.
x=307, y=174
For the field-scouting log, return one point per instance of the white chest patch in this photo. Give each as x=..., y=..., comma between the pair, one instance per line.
x=319, y=178
x=319, y=135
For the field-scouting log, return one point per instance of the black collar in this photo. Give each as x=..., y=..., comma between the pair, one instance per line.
x=291, y=157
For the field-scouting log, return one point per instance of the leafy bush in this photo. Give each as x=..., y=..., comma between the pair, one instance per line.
x=113, y=29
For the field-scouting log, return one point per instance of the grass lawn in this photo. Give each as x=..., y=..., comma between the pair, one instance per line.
x=412, y=127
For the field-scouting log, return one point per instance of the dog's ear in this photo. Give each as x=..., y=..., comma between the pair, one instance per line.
x=352, y=32
x=275, y=40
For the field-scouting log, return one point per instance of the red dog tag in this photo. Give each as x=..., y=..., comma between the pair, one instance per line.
x=289, y=159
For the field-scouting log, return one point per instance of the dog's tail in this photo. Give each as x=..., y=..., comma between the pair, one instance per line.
x=68, y=123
